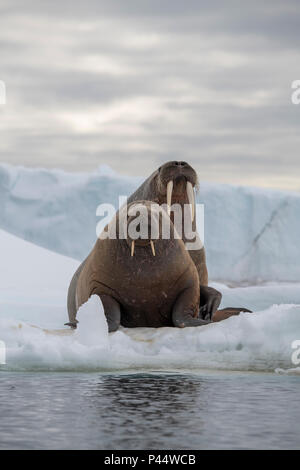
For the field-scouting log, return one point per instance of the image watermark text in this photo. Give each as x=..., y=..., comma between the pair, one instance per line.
x=296, y=354
x=2, y=353
x=296, y=94
x=2, y=92
x=148, y=220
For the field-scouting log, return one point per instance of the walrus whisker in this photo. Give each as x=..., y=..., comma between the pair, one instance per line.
x=191, y=198
x=169, y=195
x=152, y=247
x=132, y=248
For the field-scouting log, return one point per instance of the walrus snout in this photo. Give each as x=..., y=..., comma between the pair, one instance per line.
x=142, y=243
x=142, y=235
x=177, y=180
x=177, y=170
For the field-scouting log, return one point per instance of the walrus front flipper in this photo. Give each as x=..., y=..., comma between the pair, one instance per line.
x=228, y=312
x=183, y=314
x=112, y=312
x=72, y=304
x=210, y=300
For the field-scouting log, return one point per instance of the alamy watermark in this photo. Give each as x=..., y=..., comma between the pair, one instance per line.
x=296, y=354
x=2, y=353
x=295, y=97
x=150, y=220
x=2, y=92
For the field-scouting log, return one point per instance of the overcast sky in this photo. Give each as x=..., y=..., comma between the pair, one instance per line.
x=134, y=83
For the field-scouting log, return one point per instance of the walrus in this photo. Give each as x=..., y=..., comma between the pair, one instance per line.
x=141, y=281
x=173, y=183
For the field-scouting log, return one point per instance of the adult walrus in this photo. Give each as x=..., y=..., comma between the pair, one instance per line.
x=174, y=183
x=142, y=281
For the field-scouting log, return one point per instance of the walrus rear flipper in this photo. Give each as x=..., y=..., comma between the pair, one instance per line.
x=228, y=312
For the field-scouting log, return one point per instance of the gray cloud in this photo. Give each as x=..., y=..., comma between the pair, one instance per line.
x=132, y=84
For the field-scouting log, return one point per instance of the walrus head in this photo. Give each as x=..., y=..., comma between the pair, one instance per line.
x=175, y=183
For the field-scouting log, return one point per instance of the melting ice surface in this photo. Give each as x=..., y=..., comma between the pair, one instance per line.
x=33, y=286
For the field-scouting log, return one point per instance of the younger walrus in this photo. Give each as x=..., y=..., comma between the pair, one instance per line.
x=141, y=281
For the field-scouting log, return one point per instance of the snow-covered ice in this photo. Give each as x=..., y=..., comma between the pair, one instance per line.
x=33, y=285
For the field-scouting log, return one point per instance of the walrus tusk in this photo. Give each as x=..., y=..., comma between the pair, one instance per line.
x=132, y=248
x=152, y=247
x=191, y=198
x=169, y=195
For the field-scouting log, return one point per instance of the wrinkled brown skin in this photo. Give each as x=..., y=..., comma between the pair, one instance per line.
x=154, y=189
x=139, y=291
x=133, y=298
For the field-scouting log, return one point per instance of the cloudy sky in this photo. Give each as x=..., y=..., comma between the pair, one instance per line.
x=133, y=83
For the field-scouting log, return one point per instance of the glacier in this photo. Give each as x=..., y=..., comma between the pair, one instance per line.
x=251, y=234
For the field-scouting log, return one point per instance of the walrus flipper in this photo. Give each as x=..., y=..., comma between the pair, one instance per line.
x=210, y=300
x=112, y=312
x=229, y=312
x=183, y=314
x=72, y=304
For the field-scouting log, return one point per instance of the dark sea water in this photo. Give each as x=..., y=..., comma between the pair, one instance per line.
x=149, y=411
